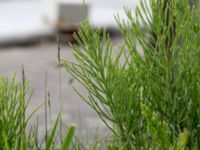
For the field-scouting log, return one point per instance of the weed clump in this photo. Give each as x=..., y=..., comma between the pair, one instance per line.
x=150, y=100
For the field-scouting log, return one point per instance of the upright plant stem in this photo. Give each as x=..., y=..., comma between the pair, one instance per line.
x=23, y=100
x=170, y=71
x=60, y=88
x=46, y=126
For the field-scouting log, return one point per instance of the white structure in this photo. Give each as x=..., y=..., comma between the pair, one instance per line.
x=99, y=12
x=102, y=12
x=27, y=19
x=65, y=14
x=22, y=20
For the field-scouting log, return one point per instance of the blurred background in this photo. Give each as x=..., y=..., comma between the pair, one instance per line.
x=23, y=20
x=28, y=30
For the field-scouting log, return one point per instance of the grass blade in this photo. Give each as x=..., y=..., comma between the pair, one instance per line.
x=68, y=138
x=50, y=140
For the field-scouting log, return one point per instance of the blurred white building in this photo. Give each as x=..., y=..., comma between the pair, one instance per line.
x=27, y=19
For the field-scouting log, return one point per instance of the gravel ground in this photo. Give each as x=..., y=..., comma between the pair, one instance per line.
x=37, y=60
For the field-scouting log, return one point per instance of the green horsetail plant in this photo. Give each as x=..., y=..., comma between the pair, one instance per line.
x=157, y=67
x=12, y=112
x=14, y=99
x=108, y=83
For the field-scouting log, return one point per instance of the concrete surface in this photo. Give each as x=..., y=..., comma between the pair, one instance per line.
x=37, y=60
